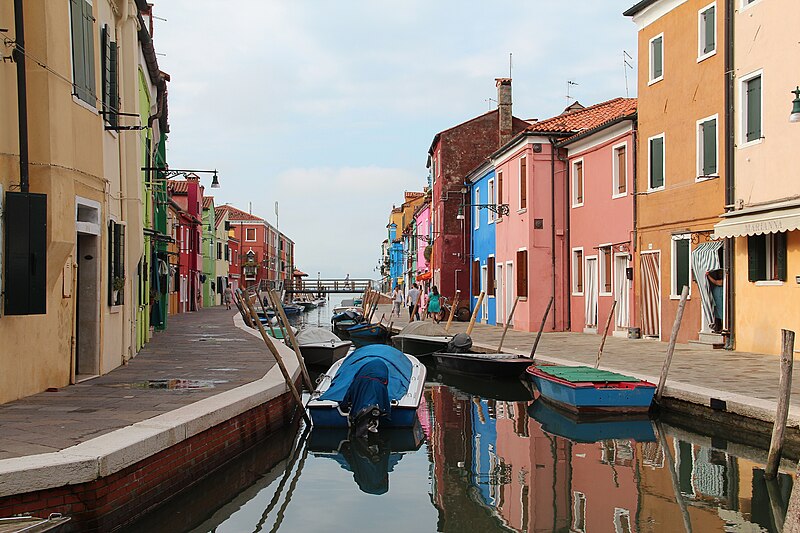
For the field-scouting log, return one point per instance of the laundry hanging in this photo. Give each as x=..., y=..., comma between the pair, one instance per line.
x=704, y=259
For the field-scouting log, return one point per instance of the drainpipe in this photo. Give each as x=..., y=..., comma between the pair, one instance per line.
x=553, y=224
x=568, y=237
x=22, y=95
x=730, y=194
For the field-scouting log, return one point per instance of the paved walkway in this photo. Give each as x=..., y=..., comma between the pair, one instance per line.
x=204, y=346
x=713, y=373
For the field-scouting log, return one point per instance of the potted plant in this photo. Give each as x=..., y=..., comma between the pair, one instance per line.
x=117, y=285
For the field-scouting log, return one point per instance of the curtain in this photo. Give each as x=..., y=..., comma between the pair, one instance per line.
x=705, y=258
x=651, y=321
x=590, y=292
x=621, y=284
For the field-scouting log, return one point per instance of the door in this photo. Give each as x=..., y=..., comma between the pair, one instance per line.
x=590, y=293
x=484, y=288
x=87, y=312
x=509, y=290
x=651, y=294
x=622, y=291
x=500, y=295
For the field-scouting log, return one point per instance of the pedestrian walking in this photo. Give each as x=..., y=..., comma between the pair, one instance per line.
x=227, y=296
x=434, y=306
x=397, y=301
x=412, y=298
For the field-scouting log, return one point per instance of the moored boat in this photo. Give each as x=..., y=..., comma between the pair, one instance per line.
x=343, y=321
x=584, y=389
x=421, y=339
x=321, y=347
x=459, y=358
x=365, y=333
x=277, y=332
x=374, y=385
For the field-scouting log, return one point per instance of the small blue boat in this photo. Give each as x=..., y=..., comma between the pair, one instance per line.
x=333, y=400
x=591, y=428
x=364, y=334
x=583, y=389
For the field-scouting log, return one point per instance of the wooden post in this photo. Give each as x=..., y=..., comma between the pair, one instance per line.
x=676, y=487
x=275, y=353
x=264, y=310
x=475, y=313
x=290, y=335
x=605, y=334
x=246, y=316
x=673, y=337
x=776, y=444
x=541, y=327
x=508, y=322
x=453, y=310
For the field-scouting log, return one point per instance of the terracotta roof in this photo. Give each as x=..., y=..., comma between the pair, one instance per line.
x=587, y=118
x=219, y=214
x=208, y=202
x=178, y=186
x=237, y=214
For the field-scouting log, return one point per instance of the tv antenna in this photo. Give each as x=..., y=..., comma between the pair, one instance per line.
x=570, y=83
x=625, y=66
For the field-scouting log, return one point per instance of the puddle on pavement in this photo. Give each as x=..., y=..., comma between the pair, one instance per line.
x=177, y=384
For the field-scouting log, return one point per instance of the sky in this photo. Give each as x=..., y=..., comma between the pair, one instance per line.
x=329, y=108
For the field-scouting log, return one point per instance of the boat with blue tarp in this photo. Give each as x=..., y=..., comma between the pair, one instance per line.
x=584, y=389
x=374, y=385
x=591, y=428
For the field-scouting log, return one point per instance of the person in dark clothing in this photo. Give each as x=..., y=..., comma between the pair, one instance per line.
x=715, y=281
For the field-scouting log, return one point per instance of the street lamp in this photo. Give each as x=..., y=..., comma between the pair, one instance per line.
x=172, y=172
x=795, y=115
x=500, y=209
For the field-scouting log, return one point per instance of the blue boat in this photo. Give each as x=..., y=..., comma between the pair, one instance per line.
x=591, y=428
x=583, y=389
x=331, y=403
x=365, y=333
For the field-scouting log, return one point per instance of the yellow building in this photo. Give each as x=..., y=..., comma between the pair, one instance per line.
x=680, y=177
x=67, y=301
x=765, y=213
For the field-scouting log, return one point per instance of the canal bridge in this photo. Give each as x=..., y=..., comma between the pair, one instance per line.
x=327, y=286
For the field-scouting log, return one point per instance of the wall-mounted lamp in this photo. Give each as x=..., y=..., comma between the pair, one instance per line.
x=500, y=209
x=795, y=115
x=172, y=172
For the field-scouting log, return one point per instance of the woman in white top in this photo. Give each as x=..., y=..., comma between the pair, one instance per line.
x=397, y=300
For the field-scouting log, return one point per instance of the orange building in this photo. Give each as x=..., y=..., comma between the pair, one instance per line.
x=680, y=182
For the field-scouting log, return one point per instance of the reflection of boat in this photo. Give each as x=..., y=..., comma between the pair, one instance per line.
x=585, y=389
x=421, y=339
x=512, y=389
x=366, y=333
x=347, y=393
x=18, y=524
x=320, y=347
x=370, y=460
x=592, y=428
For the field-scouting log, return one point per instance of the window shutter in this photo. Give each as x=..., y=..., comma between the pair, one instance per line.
x=523, y=183
x=710, y=147
x=681, y=265
x=579, y=271
x=113, y=55
x=476, y=277
x=490, y=288
x=104, y=69
x=111, y=262
x=522, y=273
x=656, y=163
x=622, y=174
x=78, y=61
x=756, y=257
x=88, y=42
x=709, y=21
x=658, y=57
x=579, y=183
x=779, y=244
x=754, y=109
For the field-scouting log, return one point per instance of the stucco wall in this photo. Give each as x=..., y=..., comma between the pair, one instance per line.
x=483, y=244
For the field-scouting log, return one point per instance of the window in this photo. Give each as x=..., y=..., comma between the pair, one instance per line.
x=227, y=253
x=706, y=32
x=655, y=154
x=499, y=191
x=656, y=58
x=605, y=270
x=751, y=109
x=579, y=512
x=577, y=271
x=680, y=264
x=109, y=76
x=219, y=250
x=766, y=257
x=620, y=171
x=707, y=147
x=522, y=273
x=622, y=521
x=577, y=183
x=116, y=263
x=82, y=22
x=523, y=183
x=477, y=209
x=250, y=234
x=491, y=200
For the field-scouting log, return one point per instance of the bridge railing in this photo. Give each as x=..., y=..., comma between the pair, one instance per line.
x=328, y=285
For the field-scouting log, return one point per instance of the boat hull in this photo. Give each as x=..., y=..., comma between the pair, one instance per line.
x=365, y=334
x=485, y=365
x=324, y=354
x=594, y=397
x=420, y=345
x=591, y=428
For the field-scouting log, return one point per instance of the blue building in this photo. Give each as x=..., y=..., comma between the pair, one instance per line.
x=396, y=265
x=483, y=191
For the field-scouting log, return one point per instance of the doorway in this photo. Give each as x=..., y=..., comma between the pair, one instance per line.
x=87, y=308
x=590, y=295
x=500, y=296
x=485, y=302
x=651, y=294
x=622, y=291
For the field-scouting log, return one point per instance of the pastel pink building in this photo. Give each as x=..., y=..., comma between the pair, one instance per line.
x=600, y=229
x=533, y=241
x=422, y=221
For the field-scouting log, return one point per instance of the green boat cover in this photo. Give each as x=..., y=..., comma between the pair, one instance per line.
x=577, y=374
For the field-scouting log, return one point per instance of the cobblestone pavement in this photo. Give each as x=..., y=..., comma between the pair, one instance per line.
x=204, y=346
x=749, y=374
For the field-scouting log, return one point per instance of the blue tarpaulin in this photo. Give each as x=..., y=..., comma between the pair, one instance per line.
x=398, y=364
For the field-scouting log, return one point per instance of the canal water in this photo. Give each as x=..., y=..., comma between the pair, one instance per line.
x=485, y=457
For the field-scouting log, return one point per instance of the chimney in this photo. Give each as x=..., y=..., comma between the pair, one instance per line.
x=504, y=118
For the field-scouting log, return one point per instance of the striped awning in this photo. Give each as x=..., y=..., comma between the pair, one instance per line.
x=772, y=218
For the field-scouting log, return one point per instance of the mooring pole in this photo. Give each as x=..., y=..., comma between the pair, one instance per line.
x=475, y=313
x=778, y=430
x=508, y=322
x=273, y=297
x=673, y=337
x=453, y=309
x=541, y=328
x=676, y=486
x=605, y=334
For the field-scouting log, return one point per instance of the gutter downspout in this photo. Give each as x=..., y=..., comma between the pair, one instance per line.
x=568, y=237
x=553, y=224
x=730, y=195
x=635, y=236
x=22, y=96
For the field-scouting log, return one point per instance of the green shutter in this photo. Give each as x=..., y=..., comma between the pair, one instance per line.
x=681, y=265
x=754, y=109
x=779, y=247
x=709, y=23
x=756, y=257
x=113, y=54
x=656, y=163
x=78, y=61
x=104, y=68
x=657, y=51
x=88, y=43
x=710, y=147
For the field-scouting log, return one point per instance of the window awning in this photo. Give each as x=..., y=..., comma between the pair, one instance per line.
x=424, y=276
x=773, y=218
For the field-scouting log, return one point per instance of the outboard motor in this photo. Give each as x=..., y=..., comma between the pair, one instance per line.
x=367, y=399
x=460, y=343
